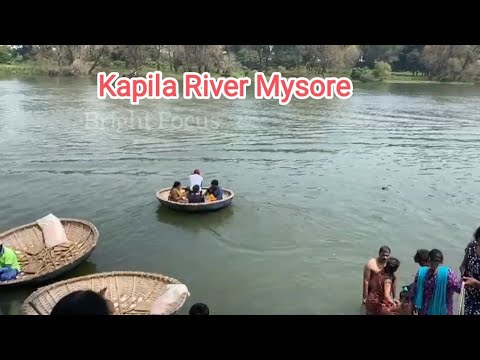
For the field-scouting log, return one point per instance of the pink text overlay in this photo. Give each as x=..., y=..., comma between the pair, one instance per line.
x=204, y=86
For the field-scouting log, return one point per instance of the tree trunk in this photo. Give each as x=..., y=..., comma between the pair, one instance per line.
x=158, y=57
x=97, y=59
x=260, y=57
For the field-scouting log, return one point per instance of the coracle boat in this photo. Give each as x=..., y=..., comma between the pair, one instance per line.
x=40, y=263
x=130, y=292
x=162, y=196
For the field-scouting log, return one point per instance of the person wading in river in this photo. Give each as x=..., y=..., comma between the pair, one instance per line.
x=434, y=286
x=379, y=299
x=372, y=268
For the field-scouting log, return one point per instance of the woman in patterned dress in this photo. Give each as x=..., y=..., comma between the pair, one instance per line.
x=434, y=286
x=470, y=269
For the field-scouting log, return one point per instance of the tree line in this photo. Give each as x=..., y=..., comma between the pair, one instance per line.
x=435, y=62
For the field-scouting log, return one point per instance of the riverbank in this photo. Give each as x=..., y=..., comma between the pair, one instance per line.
x=31, y=69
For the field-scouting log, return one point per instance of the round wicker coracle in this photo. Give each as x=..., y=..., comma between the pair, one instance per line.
x=40, y=263
x=131, y=292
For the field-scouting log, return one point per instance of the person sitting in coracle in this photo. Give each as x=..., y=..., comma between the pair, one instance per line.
x=195, y=196
x=214, y=192
x=83, y=302
x=9, y=265
x=176, y=193
x=195, y=179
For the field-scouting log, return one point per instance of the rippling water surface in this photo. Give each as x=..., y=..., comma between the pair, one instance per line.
x=309, y=207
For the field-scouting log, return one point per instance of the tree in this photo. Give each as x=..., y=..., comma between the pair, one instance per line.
x=5, y=54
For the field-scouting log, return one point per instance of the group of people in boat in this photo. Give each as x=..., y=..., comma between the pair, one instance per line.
x=432, y=291
x=194, y=192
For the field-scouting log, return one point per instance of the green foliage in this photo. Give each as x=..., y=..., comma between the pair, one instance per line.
x=385, y=53
x=5, y=55
x=360, y=62
x=382, y=70
x=287, y=56
x=248, y=58
x=23, y=51
x=356, y=74
x=363, y=74
x=18, y=59
x=23, y=69
x=367, y=76
x=118, y=63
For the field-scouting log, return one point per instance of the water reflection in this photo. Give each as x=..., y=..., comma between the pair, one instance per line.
x=195, y=222
x=86, y=268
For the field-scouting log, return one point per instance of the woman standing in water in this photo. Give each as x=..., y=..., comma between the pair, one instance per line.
x=470, y=269
x=379, y=299
x=434, y=285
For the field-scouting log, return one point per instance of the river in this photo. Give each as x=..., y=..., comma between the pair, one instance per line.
x=309, y=209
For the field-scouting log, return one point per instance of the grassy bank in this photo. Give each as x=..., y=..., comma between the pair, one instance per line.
x=408, y=78
x=22, y=69
x=27, y=69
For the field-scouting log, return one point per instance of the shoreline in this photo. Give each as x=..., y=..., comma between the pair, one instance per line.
x=27, y=70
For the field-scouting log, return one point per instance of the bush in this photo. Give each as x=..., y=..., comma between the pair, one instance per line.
x=299, y=72
x=118, y=63
x=367, y=77
x=382, y=70
x=79, y=68
x=5, y=55
x=356, y=74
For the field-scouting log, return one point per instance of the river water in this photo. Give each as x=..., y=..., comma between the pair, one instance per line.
x=309, y=208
